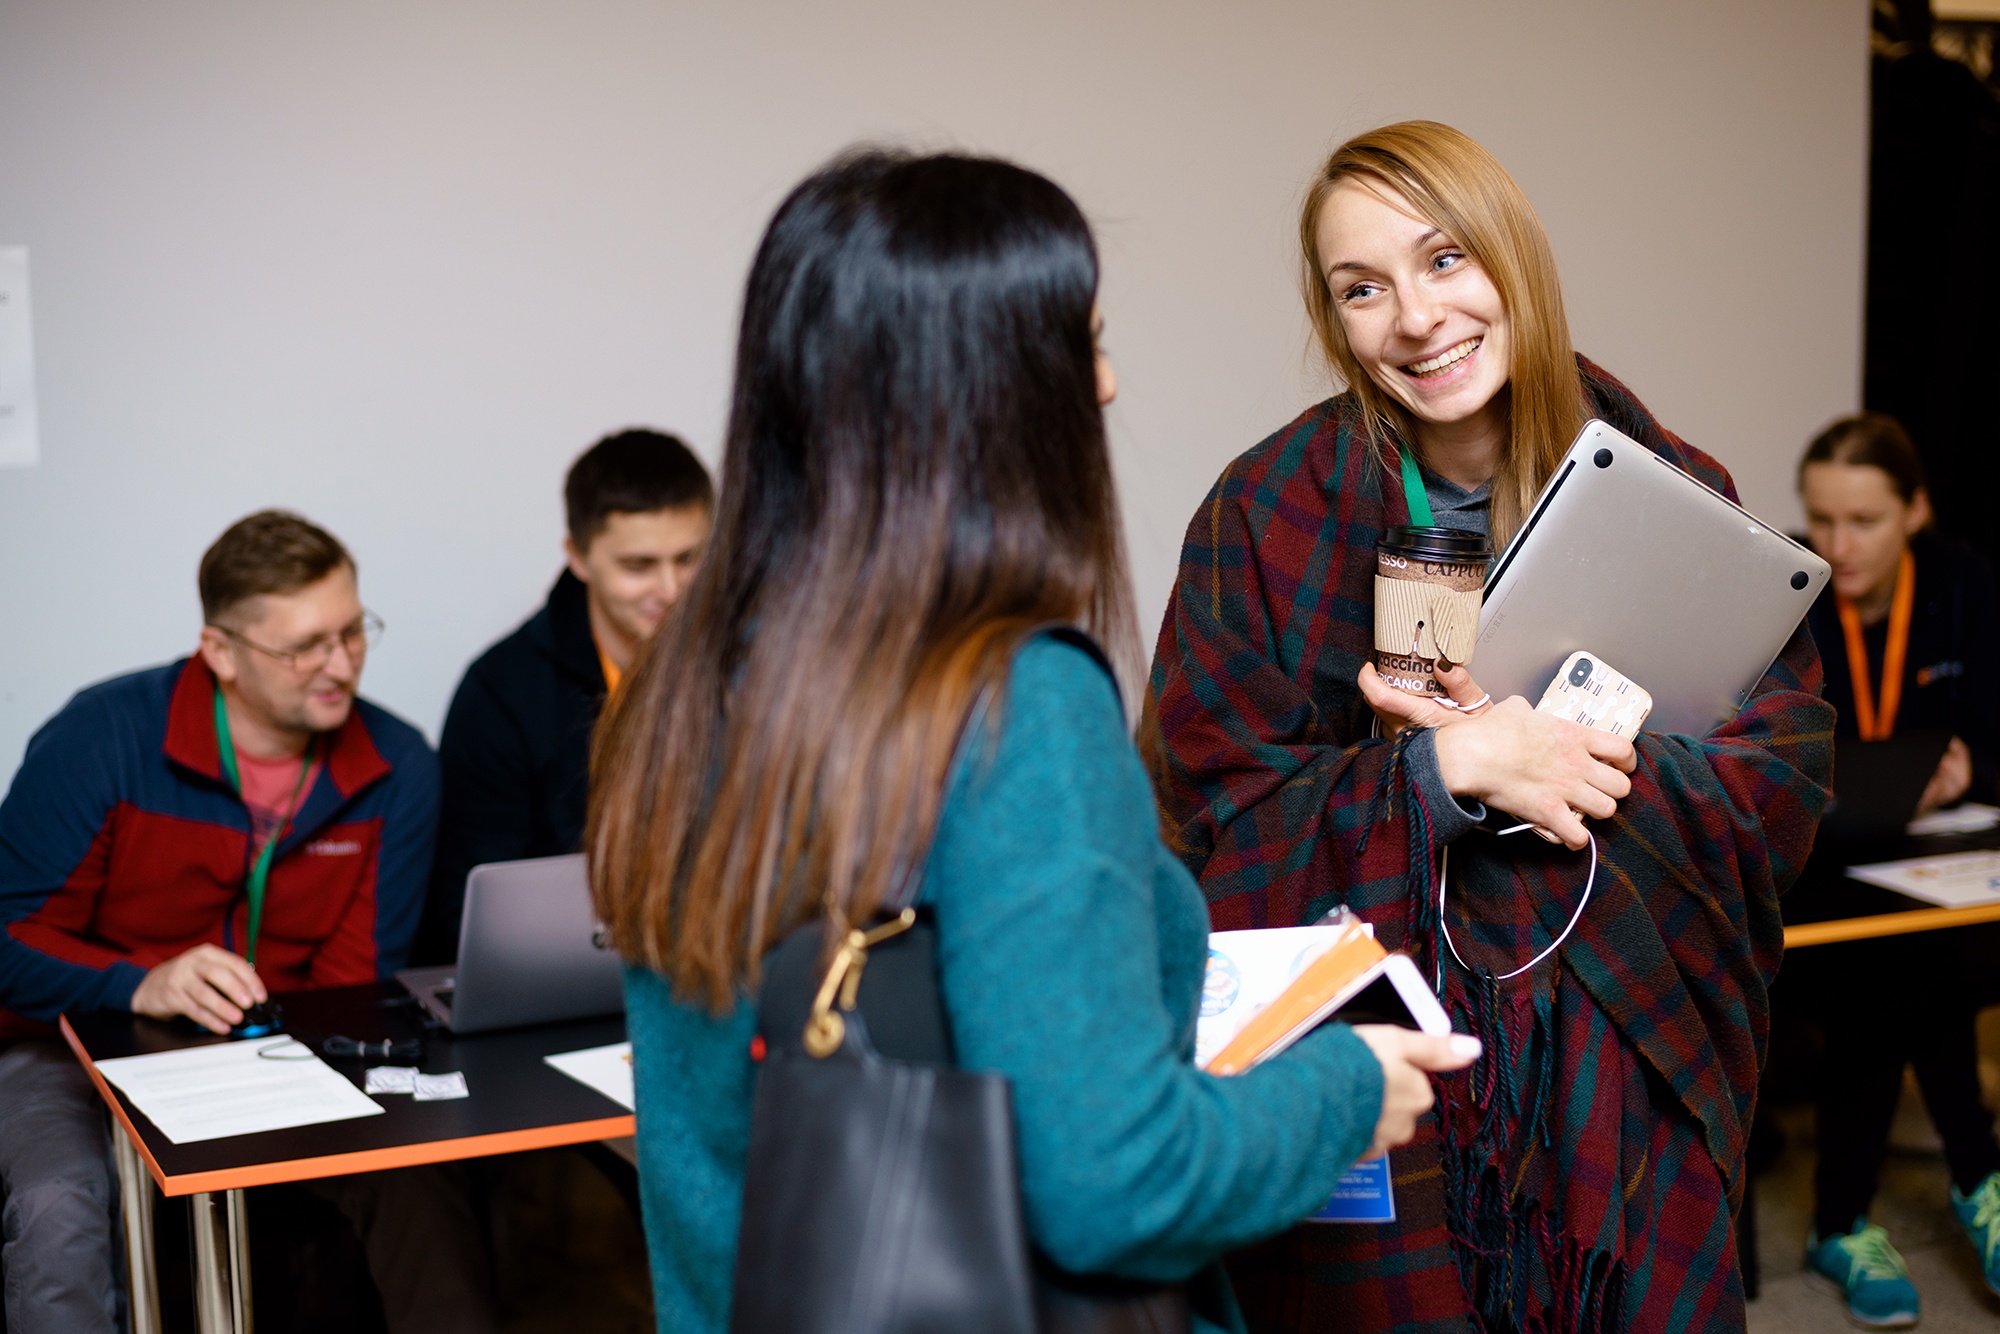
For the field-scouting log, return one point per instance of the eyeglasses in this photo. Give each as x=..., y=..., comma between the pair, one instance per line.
x=308, y=658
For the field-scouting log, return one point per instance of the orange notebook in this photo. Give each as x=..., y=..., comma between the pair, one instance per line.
x=1325, y=984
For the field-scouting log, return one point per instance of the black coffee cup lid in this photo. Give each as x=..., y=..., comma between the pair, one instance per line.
x=1456, y=544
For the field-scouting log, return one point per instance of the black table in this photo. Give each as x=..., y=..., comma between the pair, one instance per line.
x=1827, y=906
x=517, y=1101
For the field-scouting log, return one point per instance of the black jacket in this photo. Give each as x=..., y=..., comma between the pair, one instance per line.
x=515, y=755
x=1951, y=676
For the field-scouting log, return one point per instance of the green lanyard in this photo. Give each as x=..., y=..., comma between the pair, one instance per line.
x=260, y=870
x=1413, y=492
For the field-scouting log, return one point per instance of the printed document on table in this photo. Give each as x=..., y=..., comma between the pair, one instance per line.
x=236, y=1088
x=1954, y=880
x=606, y=1069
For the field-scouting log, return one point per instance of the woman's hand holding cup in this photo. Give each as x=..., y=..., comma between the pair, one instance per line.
x=1398, y=709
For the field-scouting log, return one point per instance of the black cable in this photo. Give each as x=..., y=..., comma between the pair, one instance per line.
x=389, y=1049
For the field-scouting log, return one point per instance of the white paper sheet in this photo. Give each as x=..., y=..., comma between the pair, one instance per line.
x=1954, y=880
x=236, y=1088
x=1971, y=818
x=606, y=1069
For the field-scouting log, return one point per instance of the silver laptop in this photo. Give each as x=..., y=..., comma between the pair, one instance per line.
x=1629, y=558
x=530, y=951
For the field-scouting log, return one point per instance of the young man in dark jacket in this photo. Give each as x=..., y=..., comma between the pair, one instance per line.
x=131, y=848
x=516, y=745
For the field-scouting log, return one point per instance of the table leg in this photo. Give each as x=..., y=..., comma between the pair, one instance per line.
x=239, y=1260
x=135, y=1205
x=221, y=1262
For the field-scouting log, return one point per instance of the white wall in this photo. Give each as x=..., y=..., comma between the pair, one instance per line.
x=395, y=264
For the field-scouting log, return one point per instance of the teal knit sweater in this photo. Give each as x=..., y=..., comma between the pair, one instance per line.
x=1071, y=946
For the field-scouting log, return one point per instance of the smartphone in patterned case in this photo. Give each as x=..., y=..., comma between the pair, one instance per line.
x=1588, y=692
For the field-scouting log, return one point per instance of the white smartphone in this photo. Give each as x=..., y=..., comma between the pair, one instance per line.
x=1397, y=995
x=1590, y=692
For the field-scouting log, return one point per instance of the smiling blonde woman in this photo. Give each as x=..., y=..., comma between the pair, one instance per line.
x=1583, y=1176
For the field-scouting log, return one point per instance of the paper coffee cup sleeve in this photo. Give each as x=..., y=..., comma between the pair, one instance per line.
x=1425, y=620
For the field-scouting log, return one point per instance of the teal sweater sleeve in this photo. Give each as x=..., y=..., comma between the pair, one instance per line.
x=1071, y=945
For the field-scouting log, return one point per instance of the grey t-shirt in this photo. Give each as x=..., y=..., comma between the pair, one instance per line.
x=1452, y=506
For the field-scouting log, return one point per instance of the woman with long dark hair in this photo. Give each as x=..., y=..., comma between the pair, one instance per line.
x=1584, y=1176
x=916, y=479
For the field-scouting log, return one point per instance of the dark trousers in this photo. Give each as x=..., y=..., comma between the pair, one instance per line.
x=58, y=1197
x=1886, y=1005
x=426, y=1246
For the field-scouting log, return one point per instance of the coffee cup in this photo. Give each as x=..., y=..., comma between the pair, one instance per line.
x=1427, y=587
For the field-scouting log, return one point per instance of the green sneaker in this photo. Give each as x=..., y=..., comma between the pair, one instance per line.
x=1979, y=1214
x=1868, y=1273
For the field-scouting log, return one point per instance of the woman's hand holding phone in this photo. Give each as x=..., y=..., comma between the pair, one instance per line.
x=1542, y=769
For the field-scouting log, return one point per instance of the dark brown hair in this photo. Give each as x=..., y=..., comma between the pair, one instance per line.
x=1869, y=440
x=1461, y=189
x=915, y=476
x=631, y=472
x=271, y=551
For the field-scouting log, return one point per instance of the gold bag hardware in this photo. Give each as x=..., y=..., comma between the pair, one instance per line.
x=825, y=1029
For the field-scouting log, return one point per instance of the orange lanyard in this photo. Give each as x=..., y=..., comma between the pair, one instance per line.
x=613, y=678
x=1871, y=727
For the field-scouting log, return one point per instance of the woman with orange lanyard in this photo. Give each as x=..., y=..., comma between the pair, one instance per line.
x=1908, y=636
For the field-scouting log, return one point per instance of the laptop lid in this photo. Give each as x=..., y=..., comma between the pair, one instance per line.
x=1625, y=556
x=530, y=948
x=1877, y=784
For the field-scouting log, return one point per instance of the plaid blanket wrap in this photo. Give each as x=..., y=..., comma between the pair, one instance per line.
x=1583, y=1175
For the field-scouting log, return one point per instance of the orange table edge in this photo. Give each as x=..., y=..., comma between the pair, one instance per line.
x=343, y=1164
x=1887, y=924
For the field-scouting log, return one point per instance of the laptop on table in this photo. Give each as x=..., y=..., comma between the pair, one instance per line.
x=1877, y=785
x=530, y=951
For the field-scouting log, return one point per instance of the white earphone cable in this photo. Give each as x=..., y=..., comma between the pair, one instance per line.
x=1444, y=925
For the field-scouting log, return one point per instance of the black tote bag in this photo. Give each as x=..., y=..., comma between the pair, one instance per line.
x=882, y=1193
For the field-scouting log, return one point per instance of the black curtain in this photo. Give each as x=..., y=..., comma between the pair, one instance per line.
x=1933, y=320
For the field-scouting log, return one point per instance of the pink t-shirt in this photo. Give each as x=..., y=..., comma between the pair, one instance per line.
x=267, y=791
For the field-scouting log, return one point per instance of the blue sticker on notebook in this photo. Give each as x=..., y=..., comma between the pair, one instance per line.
x=1363, y=1195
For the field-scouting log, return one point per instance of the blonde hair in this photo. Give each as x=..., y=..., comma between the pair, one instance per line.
x=1459, y=188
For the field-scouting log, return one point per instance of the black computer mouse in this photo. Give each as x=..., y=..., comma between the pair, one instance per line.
x=262, y=1018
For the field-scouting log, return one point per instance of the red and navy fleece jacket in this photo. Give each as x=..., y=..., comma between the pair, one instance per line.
x=122, y=844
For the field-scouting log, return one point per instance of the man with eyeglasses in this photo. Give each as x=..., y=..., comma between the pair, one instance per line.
x=183, y=841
